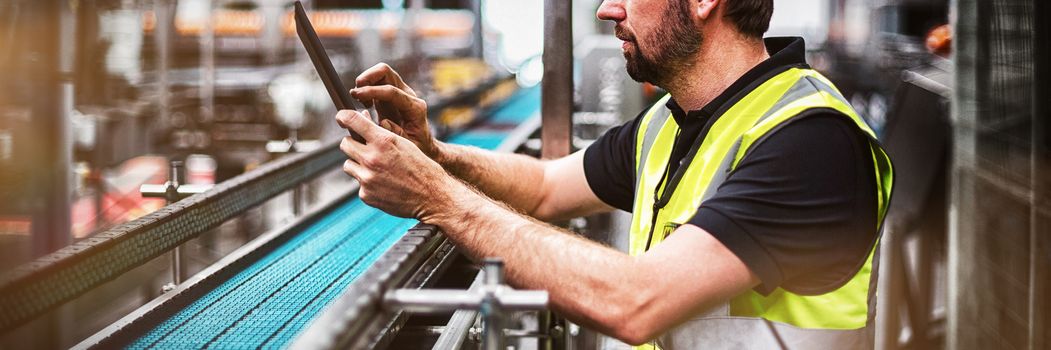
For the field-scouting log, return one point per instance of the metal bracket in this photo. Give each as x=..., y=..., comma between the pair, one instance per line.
x=493, y=300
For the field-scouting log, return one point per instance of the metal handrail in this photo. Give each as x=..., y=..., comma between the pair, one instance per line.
x=32, y=289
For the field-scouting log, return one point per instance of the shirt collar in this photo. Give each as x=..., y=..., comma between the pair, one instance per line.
x=784, y=52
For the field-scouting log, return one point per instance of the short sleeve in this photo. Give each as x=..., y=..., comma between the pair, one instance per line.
x=609, y=165
x=800, y=209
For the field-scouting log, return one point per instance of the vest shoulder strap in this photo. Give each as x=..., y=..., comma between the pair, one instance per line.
x=810, y=91
x=650, y=126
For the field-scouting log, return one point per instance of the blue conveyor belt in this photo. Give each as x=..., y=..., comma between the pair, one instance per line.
x=524, y=104
x=268, y=303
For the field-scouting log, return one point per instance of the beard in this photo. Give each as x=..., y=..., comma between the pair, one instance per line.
x=673, y=43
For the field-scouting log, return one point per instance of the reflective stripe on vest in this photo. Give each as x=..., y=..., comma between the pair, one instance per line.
x=837, y=319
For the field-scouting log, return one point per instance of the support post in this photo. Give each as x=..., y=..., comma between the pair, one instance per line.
x=1040, y=186
x=492, y=312
x=48, y=60
x=477, y=33
x=556, y=132
x=173, y=191
x=51, y=64
x=164, y=14
x=208, y=66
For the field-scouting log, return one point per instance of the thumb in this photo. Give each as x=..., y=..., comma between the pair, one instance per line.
x=358, y=123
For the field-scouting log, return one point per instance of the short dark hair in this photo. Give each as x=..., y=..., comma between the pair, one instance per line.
x=752, y=17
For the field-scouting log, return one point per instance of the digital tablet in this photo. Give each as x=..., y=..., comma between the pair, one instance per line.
x=339, y=93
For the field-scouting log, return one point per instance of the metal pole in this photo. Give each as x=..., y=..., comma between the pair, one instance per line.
x=299, y=190
x=477, y=34
x=163, y=13
x=52, y=64
x=172, y=196
x=177, y=267
x=556, y=133
x=963, y=207
x=544, y=325
x=492, y=313
x=297, y=200
x=272, y=32
x=457, y=330
x=207, y=41
x=1039, y=243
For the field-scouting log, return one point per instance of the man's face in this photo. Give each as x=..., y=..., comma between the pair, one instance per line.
x=659, y=36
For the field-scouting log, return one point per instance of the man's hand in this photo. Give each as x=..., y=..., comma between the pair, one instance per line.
x=395, y=176
x=397, y=102
x=556, y=190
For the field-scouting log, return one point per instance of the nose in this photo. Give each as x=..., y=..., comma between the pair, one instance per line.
x=611, y=10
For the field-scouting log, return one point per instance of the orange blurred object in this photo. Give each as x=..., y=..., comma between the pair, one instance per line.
x=328, y=23
x=939, y=40
x=444, y=23
x=226, y=23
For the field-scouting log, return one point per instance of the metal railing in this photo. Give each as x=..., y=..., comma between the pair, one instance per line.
x=35, y=288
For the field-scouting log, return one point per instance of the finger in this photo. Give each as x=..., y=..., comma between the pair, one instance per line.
x=386, y=124
x=354, y=121
x=363, y=125
x=352, y=148
x=353, y=169
x=342, y=116
x=397, y=129
x=382, y=74
x=386, y=93
x=392, y=127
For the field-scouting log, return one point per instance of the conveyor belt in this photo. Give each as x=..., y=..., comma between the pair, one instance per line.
x=268, y=303
x=271, y=300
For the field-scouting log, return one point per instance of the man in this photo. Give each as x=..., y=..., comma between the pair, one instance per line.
x=756, y=192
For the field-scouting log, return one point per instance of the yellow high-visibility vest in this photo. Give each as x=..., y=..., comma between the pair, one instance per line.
x=840, y=319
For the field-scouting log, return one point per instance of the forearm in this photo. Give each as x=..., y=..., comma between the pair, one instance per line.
x=514, y=179
x=588, y=283
x=632, y=298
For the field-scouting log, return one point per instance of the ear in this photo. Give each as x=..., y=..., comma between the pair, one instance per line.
x=706, y=8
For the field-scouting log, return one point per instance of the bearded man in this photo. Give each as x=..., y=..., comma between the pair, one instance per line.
x=757, y=193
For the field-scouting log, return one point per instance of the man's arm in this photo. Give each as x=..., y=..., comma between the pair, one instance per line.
x=632, y=298
x=549, y=190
